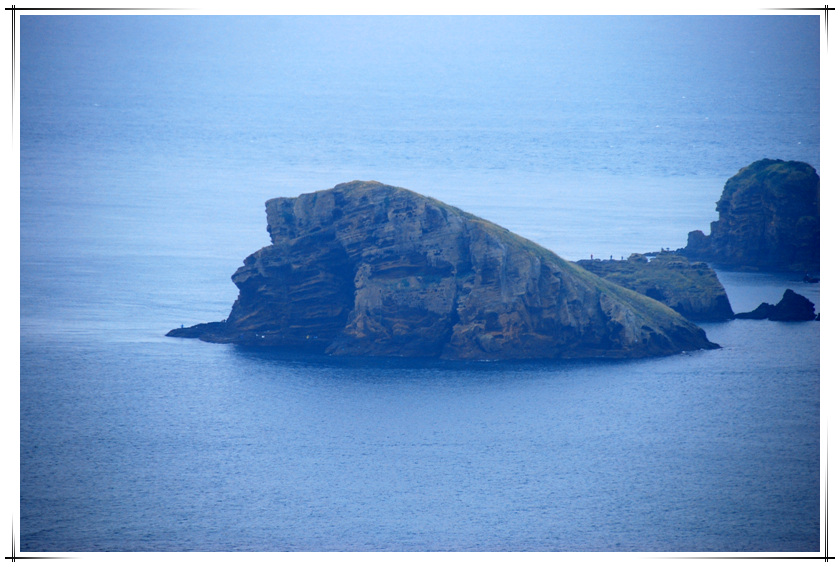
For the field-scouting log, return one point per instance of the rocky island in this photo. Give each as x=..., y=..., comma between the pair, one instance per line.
x=792, y=307
x=370, y=269
x=769, y=219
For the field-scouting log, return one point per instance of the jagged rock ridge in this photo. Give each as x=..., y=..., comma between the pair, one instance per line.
x=369, y=269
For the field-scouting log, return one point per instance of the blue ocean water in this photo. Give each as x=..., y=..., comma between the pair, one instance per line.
x=148, y=148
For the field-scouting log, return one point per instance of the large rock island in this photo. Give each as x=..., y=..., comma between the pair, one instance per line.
x=369, y=269
x=769, y=219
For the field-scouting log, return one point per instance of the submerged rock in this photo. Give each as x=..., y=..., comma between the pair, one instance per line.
x=792, y=307
x=769, y=219
x=369, y=269
x=692, y=289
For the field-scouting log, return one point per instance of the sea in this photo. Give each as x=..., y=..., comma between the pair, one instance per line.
x=148, y=147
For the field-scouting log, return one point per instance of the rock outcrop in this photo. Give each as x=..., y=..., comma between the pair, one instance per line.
x=692, y=289
x=769, y=219
x=369, y=269
x=792, y=307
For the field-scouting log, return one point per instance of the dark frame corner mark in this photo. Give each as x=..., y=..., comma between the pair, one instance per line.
x=825, y=9
x=14, y=556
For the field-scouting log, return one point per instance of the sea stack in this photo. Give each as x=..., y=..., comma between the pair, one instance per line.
x=769, y=219
x=374, y=270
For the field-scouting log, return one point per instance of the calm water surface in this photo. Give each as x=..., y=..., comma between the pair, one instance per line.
x=143, y=178
x=156, y=444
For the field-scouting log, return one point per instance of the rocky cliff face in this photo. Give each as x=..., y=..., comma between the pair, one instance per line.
x=370, y=269
x=692, y=289
x=769, y=218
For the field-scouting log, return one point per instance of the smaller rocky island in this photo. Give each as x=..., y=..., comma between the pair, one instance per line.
x=769, y=219
x=792, y=307
x=692, y=289
x=368, y=269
